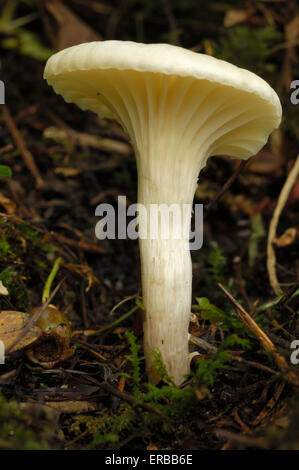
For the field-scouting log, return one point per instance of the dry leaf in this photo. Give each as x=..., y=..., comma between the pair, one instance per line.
x=3, y=290
x=72, y=406
x=287, y=238
x=67, y=172
x=8, y=205
x=151, y=447
x=233, y=17
x=11, y=325
x=63, y=27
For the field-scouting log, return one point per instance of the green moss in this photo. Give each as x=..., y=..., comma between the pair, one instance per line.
x=14, y=432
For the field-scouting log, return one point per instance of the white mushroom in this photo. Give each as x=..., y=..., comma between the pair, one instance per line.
x=179, y=108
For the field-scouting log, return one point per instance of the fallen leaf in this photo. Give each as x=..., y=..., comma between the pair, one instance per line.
x=11, y=325
x=72, y=406
x=63, y=27
x=233, y=17
x=3, y=290
x=8, y=205
x=151, y=447
x=287, y=238
x=67, y=172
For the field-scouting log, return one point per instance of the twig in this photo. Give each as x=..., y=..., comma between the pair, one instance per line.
x=21, y=144
x=83, y=306
x=202, y=343
x=226, y=186
x=169, y=14
x=116, y=322
x=80, y=244
x=271, y=258
x=86, y=140
x=264, y=340
x=239, y=439
x=6, y=148
x=51, y=277
x=126, y=299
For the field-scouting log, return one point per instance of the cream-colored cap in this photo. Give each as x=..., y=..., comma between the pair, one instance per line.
x=75, y=73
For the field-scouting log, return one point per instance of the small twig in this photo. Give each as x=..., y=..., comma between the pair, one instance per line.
x=226, y=186
x=271, y=258
x=86, y=140
x=21, y=144
x=83, y=306
x=264, y=340
x=116, y=322
x=34, y=318
x=126, y=299
x=202, y=343
x=51, y=277
x=6, y=148
x=239, y=439
x=80, y=244
x=169, y=14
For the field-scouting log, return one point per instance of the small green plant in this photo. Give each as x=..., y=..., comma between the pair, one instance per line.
x=18, y=37
x=160, y=366
x=106, y=426
x=5, y=171
x=135, y=361
x=207, y=369
x=217, y=316
x=217, y=260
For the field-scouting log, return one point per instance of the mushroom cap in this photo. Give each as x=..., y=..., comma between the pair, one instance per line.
x=74, y=74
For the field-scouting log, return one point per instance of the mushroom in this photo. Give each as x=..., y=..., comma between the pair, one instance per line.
x=178, y=108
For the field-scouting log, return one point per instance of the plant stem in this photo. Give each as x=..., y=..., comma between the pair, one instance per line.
x=51, y=277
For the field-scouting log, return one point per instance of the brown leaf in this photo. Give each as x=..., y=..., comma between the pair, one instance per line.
x=72, y=407
x=8, y=205
x=287, y=238
x=233, y=17
x=3, y=290
x=63, y=27
x=151, y=446
x=11, y=325
x=67, y=172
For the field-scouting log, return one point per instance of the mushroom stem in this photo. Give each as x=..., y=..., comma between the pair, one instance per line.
x=166, y=269
x=166, y=288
